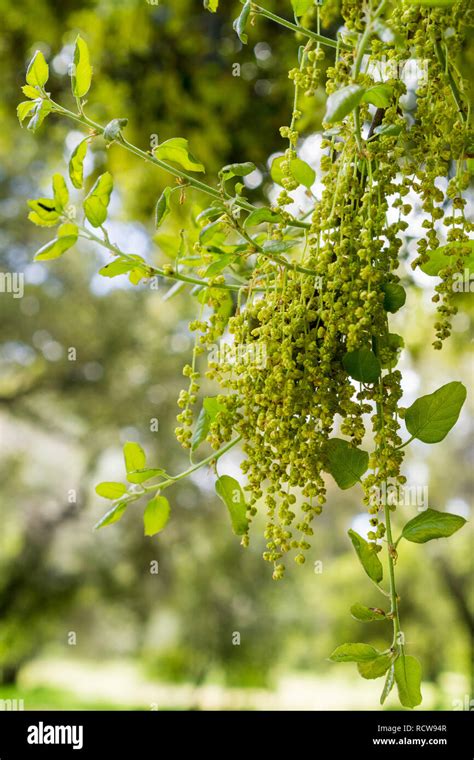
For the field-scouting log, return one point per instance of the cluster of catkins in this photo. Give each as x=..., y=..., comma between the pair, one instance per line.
x=284, y=386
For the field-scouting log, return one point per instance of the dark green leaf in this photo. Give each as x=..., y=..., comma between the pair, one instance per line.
x=431, y=417
x=362, y=365
x=368, y=557
x=345, y=462
x=431, y=524
x=228, y=489
x=394, y=297
x=340, y=103
x=408, y=680
x=156, y=515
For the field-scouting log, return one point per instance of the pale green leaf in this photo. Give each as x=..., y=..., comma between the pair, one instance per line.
x=341, y=102
x=82, y=70
x=408, y=680
x=156, y=515
x=354, y=653
x=97, y=201
x=228, y=489
x=38, y=71
x=111, y=490
x=76, y=164
x=176, y=150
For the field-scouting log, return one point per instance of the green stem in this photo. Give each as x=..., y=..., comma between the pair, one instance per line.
x=157, y=271
x=394, y=611
x=451, y=82
x=208, y=460
x=296, y=27
x=203, y=187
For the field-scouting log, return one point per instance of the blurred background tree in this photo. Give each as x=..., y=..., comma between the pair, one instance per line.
x=169, y=69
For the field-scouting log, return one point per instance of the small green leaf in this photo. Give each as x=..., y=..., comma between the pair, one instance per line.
x=60, y=192
x=388, y=686
x=82, y=70
x=156, y=515
x=459, y=254
x=236, y=170
x=117, y=267
x=76, y=164
x=39, y=113
x=134, y=456
x=375, y=668
x=388, y=130
x=228, y=489
x=24, y=108
x=66, y=239
x=394, y=297
x=112, y=516
x=368, y=557
x=431, y=524
x=299, y=170
x=362, y=365
x=97, y=200
x=367, y=614
x=279, y=246
x=340, y=103
x=408, y=680
x=302, y=172
x=176, y=150
x=111, y=490
x=163, y=207
x=379, y=95
x=345, y=462
x=44, y=212
x=211, y=5
x=261, y=215
x=241, y=22
x=30, y=91
x=141, y=476
x=38, y=71
x=354, y=653
x=431, y=417
x=300, y=7
x=210, y=409
x=114, y=129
